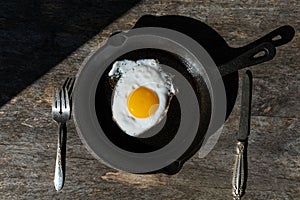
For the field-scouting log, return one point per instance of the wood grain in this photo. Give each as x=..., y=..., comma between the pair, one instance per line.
x=28, y=140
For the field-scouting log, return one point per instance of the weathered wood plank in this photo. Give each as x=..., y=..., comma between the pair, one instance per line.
x=28, y=140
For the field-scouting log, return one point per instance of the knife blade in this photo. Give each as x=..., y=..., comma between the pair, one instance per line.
x=245, y=115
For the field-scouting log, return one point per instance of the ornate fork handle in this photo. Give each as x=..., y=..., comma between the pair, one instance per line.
x=59, y=173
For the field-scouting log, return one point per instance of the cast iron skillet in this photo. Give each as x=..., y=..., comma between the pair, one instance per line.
x=229, y=61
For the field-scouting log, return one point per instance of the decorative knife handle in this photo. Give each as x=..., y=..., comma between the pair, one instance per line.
x=238, y=172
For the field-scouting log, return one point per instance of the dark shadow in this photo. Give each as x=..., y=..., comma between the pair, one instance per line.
x=37, y=35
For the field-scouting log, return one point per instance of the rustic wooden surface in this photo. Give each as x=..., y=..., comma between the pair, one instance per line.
x=28, y=134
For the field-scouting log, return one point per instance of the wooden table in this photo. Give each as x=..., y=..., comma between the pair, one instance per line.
x=28, y=134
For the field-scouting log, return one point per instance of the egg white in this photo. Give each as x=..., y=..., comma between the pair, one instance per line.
x=132, y=75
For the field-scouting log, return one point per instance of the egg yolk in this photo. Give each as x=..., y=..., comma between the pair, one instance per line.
x=142, y=102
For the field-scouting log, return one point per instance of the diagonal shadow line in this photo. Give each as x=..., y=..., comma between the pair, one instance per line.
x=37, y=35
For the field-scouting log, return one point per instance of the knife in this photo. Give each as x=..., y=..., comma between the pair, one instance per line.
x=240, y=168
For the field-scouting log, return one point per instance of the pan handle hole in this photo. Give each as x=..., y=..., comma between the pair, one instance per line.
x=261, y=53
x=276, y=38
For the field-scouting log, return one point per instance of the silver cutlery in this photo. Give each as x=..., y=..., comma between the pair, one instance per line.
x=61, y=111
x=240, y=168
x=68, y=84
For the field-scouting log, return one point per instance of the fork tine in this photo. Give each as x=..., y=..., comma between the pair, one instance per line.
x=66, y=82
x=69, y=86
x=67, y=100
x=71, y=89
x=63, y=104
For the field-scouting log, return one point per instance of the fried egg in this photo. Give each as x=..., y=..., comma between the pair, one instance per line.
x=141, y=95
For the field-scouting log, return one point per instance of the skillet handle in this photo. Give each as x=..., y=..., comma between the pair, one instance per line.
x=278, y=37
x=247, y=55
x=258, y=54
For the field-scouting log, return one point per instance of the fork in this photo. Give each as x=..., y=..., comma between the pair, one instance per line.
x=61, y=113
